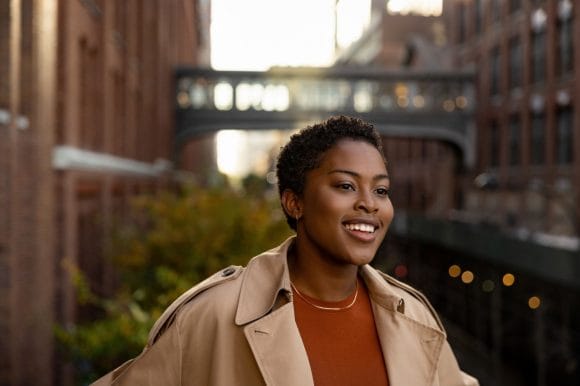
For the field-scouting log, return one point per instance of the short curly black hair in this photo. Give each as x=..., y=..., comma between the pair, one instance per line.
x=305, y=149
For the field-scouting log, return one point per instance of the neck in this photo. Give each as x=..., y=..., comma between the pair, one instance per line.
x=319, y=278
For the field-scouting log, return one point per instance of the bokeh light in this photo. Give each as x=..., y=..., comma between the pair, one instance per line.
x=508, y=279
x=467, y=277
x=454, y=270
x=534, y=302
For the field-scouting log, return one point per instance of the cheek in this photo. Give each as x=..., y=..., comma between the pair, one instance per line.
x=326, y=207
x=388, y=213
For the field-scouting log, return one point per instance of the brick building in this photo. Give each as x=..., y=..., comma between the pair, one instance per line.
x=527, y=55
x=86, y=121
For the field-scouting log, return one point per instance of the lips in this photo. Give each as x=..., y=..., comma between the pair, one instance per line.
x=363, y=229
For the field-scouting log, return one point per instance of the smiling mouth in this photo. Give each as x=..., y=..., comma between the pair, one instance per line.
x=367, y=228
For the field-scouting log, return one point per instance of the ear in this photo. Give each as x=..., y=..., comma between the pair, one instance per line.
x=292, y=204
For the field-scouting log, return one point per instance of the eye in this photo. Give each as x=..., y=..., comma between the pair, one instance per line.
x=383, y=192
x=346, y=186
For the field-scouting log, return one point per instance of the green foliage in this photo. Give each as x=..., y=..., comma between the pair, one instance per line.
x=171, y=242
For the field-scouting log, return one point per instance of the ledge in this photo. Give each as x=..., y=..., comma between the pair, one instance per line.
x=487, y=244
x=72, y=158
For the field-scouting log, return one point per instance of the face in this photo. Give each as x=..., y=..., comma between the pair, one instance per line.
x=345, y=209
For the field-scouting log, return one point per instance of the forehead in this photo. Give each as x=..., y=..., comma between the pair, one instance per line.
x=348, y=154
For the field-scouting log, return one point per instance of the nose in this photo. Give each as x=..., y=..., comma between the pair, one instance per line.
x=366, y=202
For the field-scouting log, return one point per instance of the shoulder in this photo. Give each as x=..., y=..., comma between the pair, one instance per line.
x=215, y=288
x=413, y=302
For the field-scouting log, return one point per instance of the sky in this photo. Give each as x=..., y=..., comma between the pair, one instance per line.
x=257, y=34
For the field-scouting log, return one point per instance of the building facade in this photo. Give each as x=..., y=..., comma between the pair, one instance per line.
x=86, y=122
x=527, y=55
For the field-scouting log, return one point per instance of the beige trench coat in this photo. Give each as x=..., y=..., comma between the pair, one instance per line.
x=237, y=328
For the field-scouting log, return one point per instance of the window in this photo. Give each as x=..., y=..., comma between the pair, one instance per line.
x=495, y=71
x=538, y=20
x=565, y=42
x=494, y=139
x=537, y=138
x=478, y=16
x=462, y=15
x=495, y=10
x=564, y=139
x=516, y=59
x=538, y=56
x=515, y=140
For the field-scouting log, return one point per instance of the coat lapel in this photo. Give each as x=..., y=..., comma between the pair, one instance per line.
x=267, y=316
x=411, y=350
x=278, y=349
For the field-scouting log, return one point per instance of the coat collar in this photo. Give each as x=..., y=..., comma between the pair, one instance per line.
x=266, y=277
x=411, y=348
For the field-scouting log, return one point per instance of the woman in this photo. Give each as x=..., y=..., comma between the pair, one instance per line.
x=311, y=311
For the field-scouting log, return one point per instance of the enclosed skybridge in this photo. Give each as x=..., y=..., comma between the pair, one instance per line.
x=430, y=105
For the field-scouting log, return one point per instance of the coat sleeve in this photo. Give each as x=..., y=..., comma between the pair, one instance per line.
x=159, y=364
x=449, y=373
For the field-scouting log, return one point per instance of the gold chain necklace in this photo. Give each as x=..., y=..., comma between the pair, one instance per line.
x=303, y=297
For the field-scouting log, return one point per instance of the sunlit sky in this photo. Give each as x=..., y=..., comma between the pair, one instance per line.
x=257, y=34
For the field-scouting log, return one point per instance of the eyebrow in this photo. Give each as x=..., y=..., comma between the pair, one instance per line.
x=355, y=174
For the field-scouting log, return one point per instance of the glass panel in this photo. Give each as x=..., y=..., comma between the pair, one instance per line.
x=565, y=46
x=495, y=10
x=494, y=144
x=539, y=56
x=516, y=55
x=564, y=140
x=515, y=139
x=462, y=15
x=478, y=16
x=538, y=138
x=495, y=71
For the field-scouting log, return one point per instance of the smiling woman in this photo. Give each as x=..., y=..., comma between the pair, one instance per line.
x=311, y=311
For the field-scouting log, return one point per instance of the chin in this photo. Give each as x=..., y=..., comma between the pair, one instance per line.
x=360, y=259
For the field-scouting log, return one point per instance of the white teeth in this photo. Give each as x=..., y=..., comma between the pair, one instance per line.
x=360, y=227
